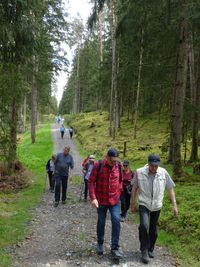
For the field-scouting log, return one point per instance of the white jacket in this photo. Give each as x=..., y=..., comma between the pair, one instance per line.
x=151, y=200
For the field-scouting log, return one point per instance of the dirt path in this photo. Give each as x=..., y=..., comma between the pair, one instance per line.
x=66, y=236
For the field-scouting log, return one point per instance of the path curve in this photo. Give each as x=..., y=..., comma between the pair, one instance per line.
x=66, y=236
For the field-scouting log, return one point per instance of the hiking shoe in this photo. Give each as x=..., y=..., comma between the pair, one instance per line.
x=117, y=253
x=145, y=256
x=63, y=202
x=99, y=249
x=56, y=204
x=151, y=254
x=122, y=219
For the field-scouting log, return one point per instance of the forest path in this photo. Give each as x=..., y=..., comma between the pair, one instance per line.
x=65, y=236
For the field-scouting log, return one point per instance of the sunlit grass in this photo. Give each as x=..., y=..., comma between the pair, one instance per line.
x=15, y=208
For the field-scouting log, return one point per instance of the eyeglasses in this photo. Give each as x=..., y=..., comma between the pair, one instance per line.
x=125, y=165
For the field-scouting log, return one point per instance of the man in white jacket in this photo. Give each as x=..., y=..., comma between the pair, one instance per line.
x=150, y=183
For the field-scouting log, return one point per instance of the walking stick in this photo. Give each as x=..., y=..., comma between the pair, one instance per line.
x=81, y=192
x=45, y=182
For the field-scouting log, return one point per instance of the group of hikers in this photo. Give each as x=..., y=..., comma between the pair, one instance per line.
x=63, y=129
x=70, y=130
x=113, y=186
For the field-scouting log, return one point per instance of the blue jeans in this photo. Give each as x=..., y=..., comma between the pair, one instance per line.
x=148, y=228
x=115, y=220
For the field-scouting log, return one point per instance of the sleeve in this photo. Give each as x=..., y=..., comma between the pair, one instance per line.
x=48, y=165
x=134, y=181
x=92, y=181
x=72, y=163
x=169, y=182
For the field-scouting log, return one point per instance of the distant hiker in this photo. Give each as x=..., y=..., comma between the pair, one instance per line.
x=62, y=131
x=71, y=131
x=127, y=187
x=58, y=119
x=150, y=181
x=86, y=171
x=50, y=172
x=105, y=186
x=63, y=162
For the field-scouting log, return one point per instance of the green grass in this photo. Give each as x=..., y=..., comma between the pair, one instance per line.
x=15, y=208
x=182, y=234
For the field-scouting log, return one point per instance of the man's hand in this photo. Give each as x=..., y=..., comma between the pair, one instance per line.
x=175, y=210
x=95, y=203
x=133, y=208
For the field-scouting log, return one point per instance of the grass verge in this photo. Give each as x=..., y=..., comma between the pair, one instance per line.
x=15, y=208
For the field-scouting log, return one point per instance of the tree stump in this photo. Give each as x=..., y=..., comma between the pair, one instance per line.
x=196, y=168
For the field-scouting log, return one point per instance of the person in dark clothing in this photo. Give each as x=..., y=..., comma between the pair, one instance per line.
x=105, y=186
x=127, y=187
x=71, y=131
x=86, y=171
x=62, y=131
x=50, y=172
x=63, y=162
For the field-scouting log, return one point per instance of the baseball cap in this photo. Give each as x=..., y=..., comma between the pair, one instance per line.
x=154, y=160
x=113, y=152
x=125, y=162
x=91, y=157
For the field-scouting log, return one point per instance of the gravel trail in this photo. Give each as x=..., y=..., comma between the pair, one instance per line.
x=65, y=236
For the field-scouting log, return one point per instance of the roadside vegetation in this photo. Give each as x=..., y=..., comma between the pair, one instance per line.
x=16, y=205
x=180, y=234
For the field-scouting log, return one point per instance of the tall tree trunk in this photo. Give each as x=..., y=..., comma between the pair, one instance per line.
x=78, y=82
x=179, y=96
x=33, y=108
x=196, y=116
x=114, y=72
x=100, y=93
x=138, y=87
x=24, y=115
x=117, y=94
x=13, y=134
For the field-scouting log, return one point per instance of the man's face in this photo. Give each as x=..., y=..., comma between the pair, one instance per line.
x=111, y=161
x=153, y=168
x=66, y=150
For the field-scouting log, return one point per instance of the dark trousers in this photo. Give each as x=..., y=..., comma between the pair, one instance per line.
x=62, y=134
x=86, y=188
x=51, y=180
x=148, y=228
x=60, y=181
x=125, y=203
x=115, y=220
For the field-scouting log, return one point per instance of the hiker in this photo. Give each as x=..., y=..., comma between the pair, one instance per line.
x=63, y=162
x=127, y=187
x=150, y=182
x=85, y=161
x=50, y=172
x=86, y=171
x=62, y=131
x=105, y=186
x=71, y=131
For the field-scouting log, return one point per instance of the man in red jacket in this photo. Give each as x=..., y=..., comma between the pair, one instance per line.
x=105, y=186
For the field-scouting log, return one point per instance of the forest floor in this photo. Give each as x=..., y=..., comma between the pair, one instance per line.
x=65, y=236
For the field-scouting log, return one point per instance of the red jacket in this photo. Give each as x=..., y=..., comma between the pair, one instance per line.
x=105, y=184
